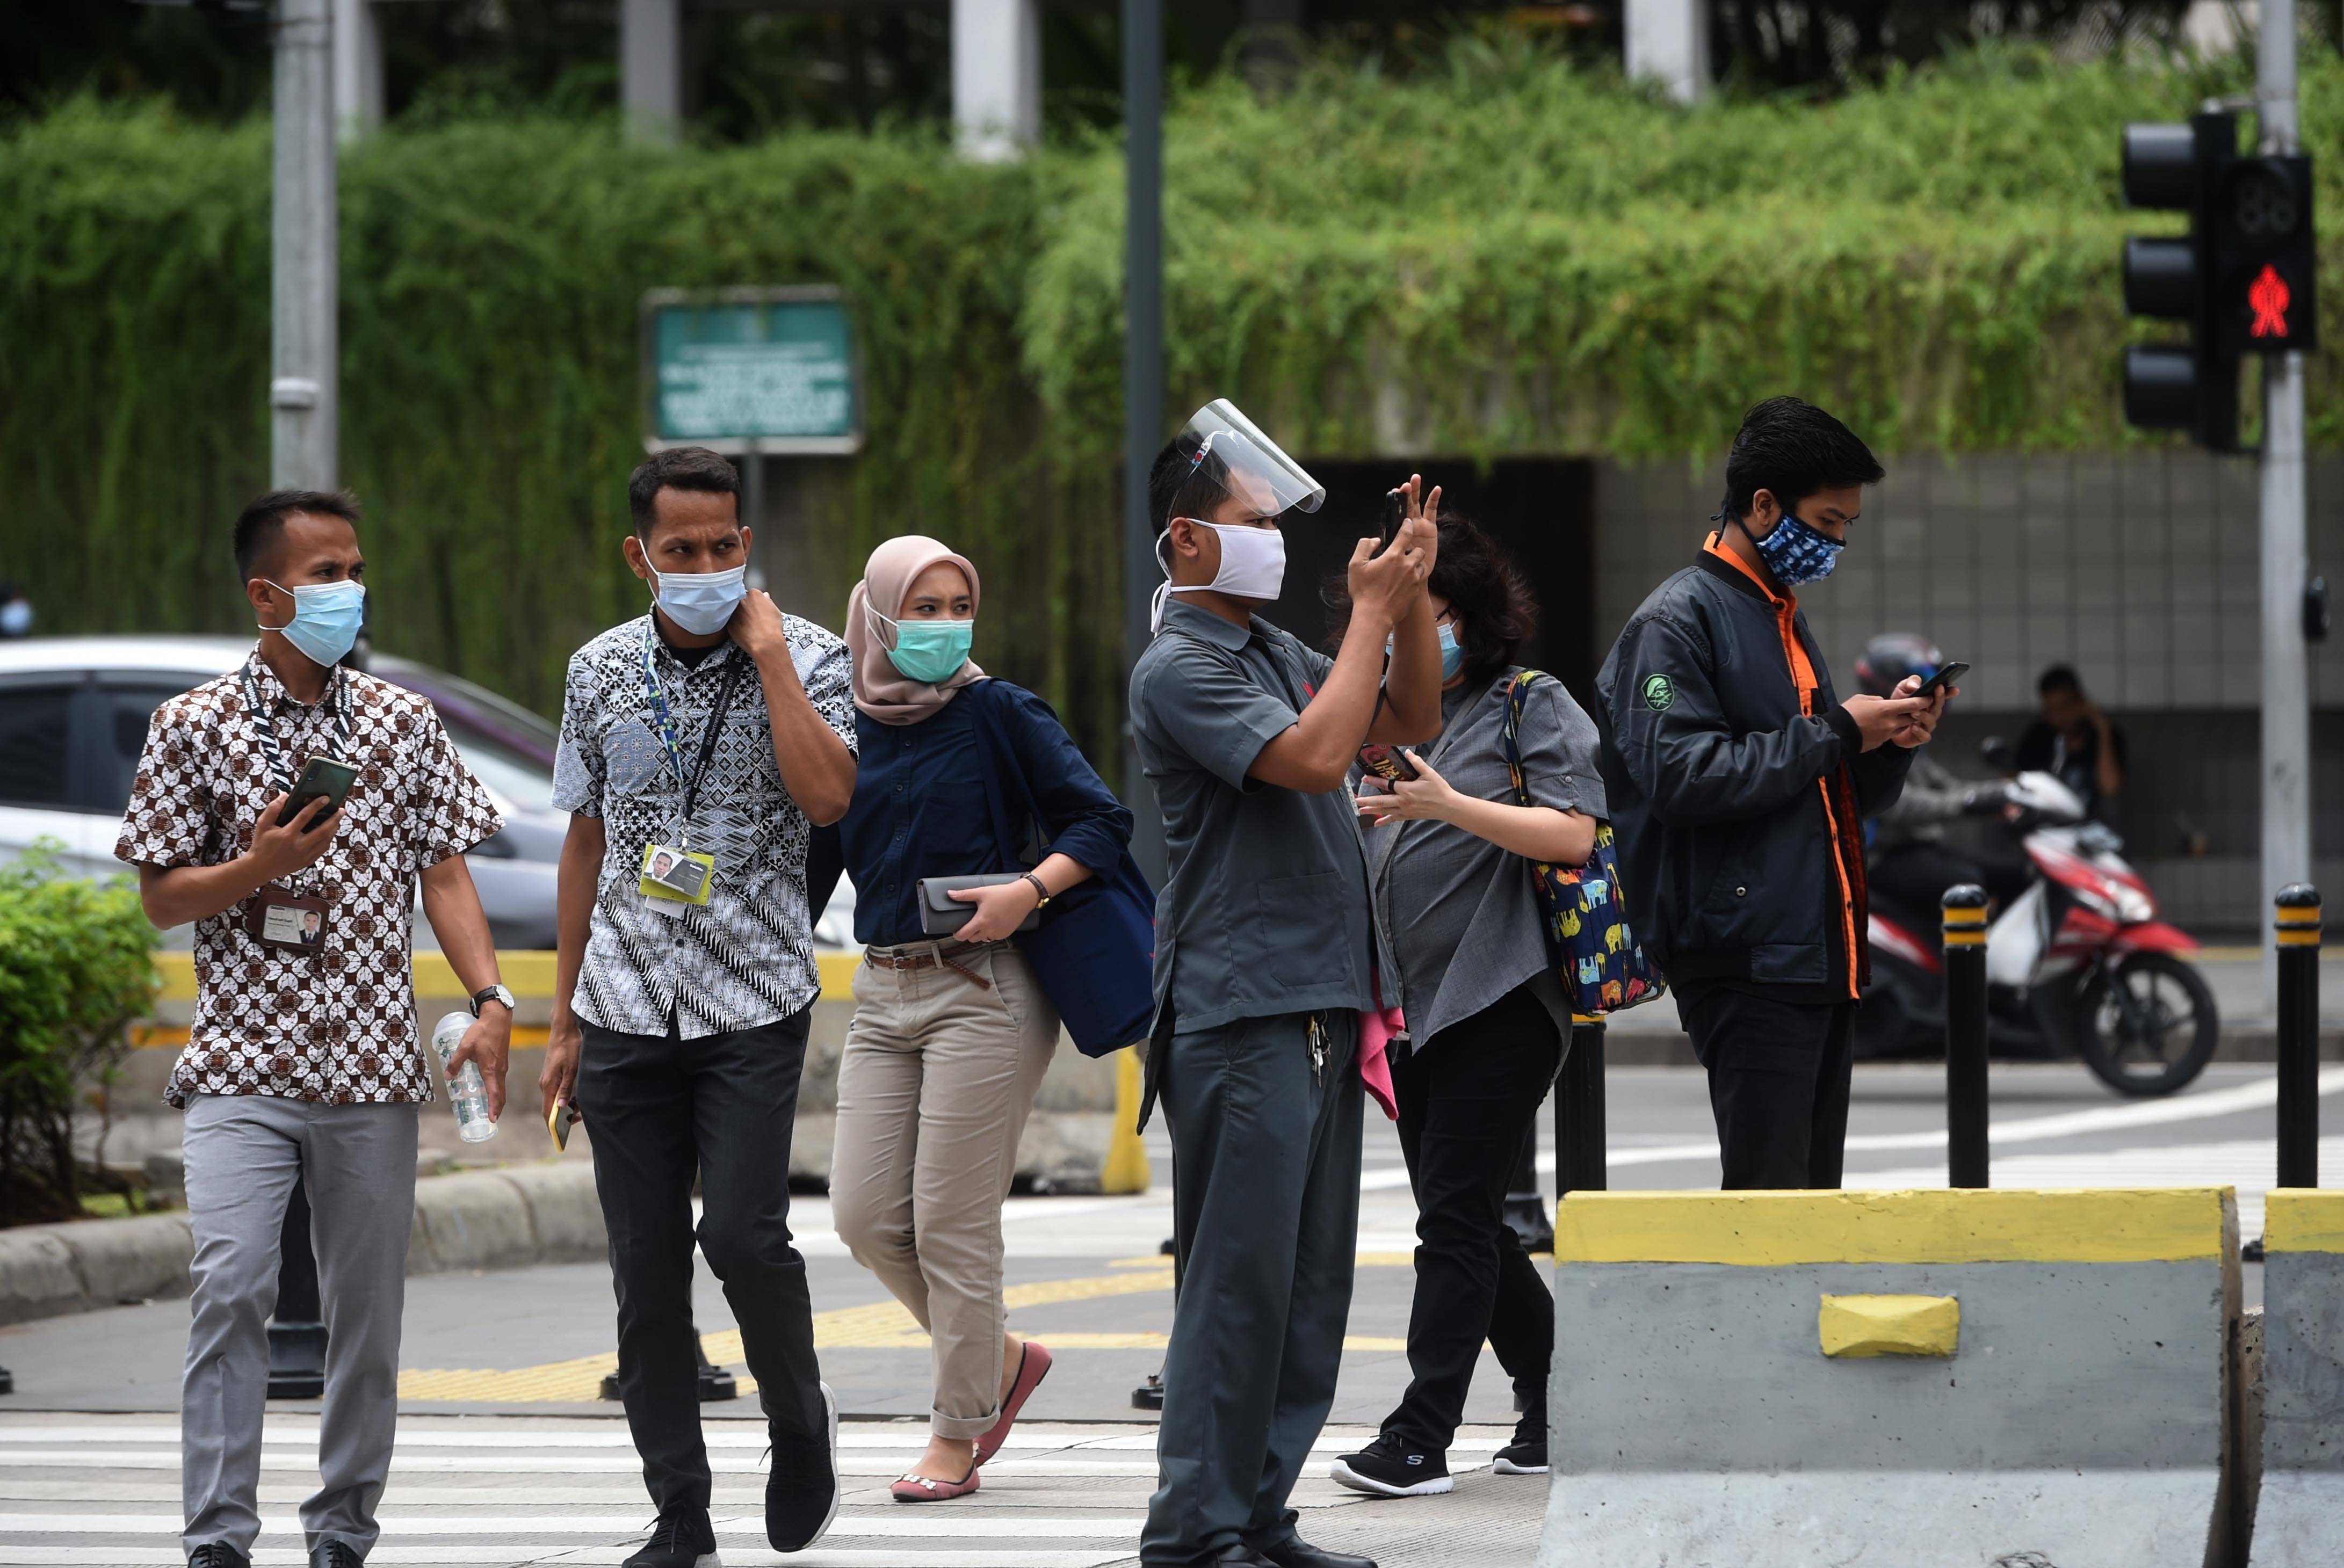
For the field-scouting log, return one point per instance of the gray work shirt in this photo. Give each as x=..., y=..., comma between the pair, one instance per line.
x=1264, y=911
x=1459, y=918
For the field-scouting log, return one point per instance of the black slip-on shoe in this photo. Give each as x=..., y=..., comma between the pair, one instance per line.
x=1297, y=1553
x=218, y=1554
x=802, y=1489
x=681, y=1539
x=1521, y=1457
x=1387, y=1468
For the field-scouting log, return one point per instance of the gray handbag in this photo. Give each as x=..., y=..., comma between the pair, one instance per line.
x=941, y=916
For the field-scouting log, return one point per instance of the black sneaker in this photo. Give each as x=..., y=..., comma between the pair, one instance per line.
x=218, y=1554
x=802, y=1488
x=1522, y=1457
x=1386, y=1468
x=681, y=1539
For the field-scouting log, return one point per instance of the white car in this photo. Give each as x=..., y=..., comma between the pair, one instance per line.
x=74, y=712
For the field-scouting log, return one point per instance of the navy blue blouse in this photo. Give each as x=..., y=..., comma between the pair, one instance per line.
x=919, y=807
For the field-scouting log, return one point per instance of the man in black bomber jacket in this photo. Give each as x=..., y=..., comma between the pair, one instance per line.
x=1739, y=783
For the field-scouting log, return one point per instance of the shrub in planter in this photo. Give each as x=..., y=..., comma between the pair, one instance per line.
x=77, y=967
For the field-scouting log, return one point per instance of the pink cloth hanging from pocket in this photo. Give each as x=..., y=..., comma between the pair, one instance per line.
x=1378, y=1025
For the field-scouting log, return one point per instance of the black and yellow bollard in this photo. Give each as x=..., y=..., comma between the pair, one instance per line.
x=1580, y=1136
x=1965, y=1036
x=2297, y=920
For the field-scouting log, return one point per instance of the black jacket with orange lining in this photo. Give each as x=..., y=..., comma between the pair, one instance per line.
x=1737, y=792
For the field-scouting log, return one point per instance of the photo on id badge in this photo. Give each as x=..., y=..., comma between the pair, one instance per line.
x=673, y=877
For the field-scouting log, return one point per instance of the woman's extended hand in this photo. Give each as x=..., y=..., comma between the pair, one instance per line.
x=1427, y=798
x=1001, y=909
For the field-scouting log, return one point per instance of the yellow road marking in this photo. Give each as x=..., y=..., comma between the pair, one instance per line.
x=878, y=1325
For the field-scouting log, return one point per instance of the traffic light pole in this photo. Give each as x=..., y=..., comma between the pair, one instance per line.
x=2286, y=658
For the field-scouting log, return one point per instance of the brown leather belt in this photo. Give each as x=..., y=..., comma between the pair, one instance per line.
x=941, y=958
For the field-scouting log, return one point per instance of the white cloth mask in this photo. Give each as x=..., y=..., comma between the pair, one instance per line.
x=1253, y=566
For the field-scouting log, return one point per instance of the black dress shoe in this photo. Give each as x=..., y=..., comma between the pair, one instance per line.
x=336, y=1555
x=218, y=1554
x=1240, y=1556
x=1297, y=1553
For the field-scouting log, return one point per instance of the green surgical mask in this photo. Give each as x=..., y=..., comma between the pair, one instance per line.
x=932, y=650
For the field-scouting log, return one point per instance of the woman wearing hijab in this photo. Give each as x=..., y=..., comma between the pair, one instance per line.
x=950, y=1038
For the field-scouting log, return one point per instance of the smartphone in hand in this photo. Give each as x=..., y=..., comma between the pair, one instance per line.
x=1395, y=514
x=1948, y=675
x=321, y=778
x=1388, y=762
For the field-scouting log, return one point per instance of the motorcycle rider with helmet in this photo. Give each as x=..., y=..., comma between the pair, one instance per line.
x=1911, y=865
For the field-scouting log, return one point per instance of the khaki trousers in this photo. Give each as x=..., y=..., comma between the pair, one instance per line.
x=933, y=1086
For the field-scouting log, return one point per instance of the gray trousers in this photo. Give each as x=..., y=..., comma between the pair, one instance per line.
x=243, y=1152
x=1266, y=1201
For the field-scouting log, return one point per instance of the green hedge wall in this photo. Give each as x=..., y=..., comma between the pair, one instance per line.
x=1505, y=255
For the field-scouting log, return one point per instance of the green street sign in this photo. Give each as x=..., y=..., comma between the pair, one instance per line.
x=751, y=370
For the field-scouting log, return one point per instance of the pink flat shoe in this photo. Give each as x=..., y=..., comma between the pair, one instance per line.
x=1033, y=1366
x=925, y=1489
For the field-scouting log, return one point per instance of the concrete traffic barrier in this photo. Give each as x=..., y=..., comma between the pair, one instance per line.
x=2299, y=1517
x=1743, y=1380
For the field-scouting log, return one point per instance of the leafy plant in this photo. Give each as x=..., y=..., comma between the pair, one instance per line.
x=76, y=967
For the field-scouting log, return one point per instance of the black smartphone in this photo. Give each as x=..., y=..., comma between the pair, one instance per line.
x=1388, y=762
x=1949, y=675
x=1395, y=514
x=322, y=778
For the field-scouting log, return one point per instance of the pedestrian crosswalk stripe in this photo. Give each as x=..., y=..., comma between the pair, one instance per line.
x=456, y=1556
x=901, y=1523
x=907, y=1436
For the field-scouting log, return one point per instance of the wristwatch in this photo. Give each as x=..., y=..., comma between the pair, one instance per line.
x=1040, y=892
x=494, y=993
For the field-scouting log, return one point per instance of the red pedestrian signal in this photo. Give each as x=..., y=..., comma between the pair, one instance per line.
x=2267, y=299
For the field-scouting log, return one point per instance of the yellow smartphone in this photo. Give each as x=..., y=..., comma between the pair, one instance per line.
x=560, y=1118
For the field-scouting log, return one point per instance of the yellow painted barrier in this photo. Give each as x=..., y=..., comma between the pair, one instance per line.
x=1126, y=1154
x=1853, y=1327
x=528, y=971
x=1770, y=1229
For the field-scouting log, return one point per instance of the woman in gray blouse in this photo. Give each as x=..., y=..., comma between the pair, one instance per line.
x=1462, y=950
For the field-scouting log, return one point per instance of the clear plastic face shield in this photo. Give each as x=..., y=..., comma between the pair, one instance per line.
x=1238, y=478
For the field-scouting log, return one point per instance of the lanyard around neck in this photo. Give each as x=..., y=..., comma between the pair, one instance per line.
x=337, y=699
x=663, y=726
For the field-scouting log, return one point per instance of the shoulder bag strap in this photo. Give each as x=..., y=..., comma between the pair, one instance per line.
x=1517, y=697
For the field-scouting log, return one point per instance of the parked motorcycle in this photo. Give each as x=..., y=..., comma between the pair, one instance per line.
x=2078, y=964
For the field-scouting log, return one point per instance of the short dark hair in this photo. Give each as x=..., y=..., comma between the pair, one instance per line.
x=2059, y=677
x=260, y=526
x=1791, y=450
x=677, y=469
x=1496, y=610
x=1182, y=484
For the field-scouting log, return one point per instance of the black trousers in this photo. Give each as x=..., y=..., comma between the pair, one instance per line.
x=1778, y=1084
x=659, y=1109
x=1467, y=1098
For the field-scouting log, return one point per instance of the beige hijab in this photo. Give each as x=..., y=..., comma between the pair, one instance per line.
x=882, y=690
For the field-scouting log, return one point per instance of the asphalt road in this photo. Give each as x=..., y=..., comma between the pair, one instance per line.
x=528, y=1347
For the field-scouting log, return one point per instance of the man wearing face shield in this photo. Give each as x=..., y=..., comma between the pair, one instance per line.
x=1262, y=967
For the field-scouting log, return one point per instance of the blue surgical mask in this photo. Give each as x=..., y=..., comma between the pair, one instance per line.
x=1453, y=658
x=1796, y=551
x=326, y=619
x=931, y=650
x=702, y=602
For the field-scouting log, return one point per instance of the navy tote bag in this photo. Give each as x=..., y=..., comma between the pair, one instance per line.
x=1095, y=950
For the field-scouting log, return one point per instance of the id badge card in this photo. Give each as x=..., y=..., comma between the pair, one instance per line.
x=287, y=922
x=673, y=878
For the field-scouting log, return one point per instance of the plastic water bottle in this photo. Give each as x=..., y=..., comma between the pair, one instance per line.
x=467, y=1093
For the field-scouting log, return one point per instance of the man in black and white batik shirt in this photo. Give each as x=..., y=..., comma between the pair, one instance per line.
x=699, y=745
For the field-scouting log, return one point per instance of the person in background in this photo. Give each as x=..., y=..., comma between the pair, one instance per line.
x=950, y=1039
x=16, y=612
x=1739, y=783
x=714, y=729
x=1466, y=956
x=1262, y=969
x=2075, y=740
x=301, y=1063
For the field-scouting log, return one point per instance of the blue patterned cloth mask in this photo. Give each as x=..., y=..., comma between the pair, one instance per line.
x=1796, y=551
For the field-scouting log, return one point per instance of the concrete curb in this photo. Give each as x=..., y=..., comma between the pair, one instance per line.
x=483, y=1219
